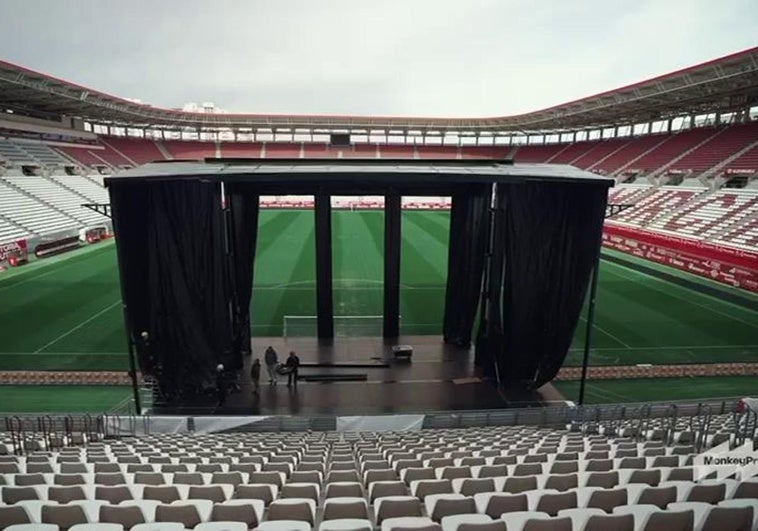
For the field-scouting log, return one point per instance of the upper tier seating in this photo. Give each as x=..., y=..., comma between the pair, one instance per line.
x=632, y=150
x=139, y=151
x=26, y=152
x=708, y=215
x=42, y=153
x=599, y=152
x=747, y=162
x=538, y=152
x=182, y=150
x=674, y=146
x=241, y=150
x=661, y=201
x=83, y=156
x=727, y=142
x=282, y=150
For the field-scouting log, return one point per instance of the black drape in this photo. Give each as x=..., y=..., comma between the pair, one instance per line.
x=469, y=220
x=182, y=281
x=243, y=211
x=547, y=240
x=392, y=241
x=324, y=296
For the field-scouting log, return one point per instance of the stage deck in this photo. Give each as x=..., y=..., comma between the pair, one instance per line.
x=438, y=377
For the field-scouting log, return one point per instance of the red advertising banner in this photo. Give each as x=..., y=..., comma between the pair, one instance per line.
x=724, y=264
x=15, y=253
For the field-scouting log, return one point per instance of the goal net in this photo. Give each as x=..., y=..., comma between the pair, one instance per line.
x=344, y=326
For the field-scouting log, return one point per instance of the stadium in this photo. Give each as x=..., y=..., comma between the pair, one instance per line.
x=352, y=241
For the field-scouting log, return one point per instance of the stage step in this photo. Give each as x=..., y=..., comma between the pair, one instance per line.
x=372, y=365
x=354, y=377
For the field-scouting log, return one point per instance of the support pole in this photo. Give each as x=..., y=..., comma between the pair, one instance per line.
x=132, y=365
x=391, y=265
x=588, y=333
x=324, y=300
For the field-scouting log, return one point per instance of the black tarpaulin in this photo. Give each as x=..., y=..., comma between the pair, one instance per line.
x=547, y=239
x=467, y=246
x=243, y=208
x=171, y=246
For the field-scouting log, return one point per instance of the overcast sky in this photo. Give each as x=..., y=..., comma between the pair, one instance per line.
x=381, y=57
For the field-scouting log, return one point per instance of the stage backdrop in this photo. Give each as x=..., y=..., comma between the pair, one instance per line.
x=186, y=256
x=546, y=240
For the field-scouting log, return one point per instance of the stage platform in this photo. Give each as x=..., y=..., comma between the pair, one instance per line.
x=438, y=377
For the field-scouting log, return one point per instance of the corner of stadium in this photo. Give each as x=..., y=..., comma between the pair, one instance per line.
x=491, y=315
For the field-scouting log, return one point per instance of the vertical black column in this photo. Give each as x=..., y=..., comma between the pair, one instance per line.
x=391, y=265
x=324, y=302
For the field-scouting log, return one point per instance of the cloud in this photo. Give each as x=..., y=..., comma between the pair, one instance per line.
x=394, y=57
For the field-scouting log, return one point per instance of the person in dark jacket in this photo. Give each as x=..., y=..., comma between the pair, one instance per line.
x=255, y=375
x=221, y=384
x=293, y=362
x=272, y=360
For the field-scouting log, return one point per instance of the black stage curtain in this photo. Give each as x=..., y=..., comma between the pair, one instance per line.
x=469, y=224
x=243, y=210
x=392, y=242
x=548, y=238
x=182, y=279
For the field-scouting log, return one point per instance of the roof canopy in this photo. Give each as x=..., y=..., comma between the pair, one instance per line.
x=721, y=85
x=359, y=177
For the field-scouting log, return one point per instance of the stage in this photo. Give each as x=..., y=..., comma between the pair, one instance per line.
x=438, y=377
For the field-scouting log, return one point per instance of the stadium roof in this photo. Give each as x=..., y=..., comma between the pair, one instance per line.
x=722, y=85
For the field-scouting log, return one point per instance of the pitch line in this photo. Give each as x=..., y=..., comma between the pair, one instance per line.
x=77, y=327
x=685, y=347
x=616, y=339
x=690, y=301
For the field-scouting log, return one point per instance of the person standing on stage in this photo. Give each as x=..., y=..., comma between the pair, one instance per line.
x=293, y=362
x=255, y=375
x=221, y=384
x=272, y=360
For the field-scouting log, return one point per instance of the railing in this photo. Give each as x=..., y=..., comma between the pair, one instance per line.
x=54, y=431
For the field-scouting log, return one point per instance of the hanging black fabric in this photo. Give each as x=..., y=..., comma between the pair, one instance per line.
x=243, y=208
x=182, y=281
x=469, y=220
x=549, y=239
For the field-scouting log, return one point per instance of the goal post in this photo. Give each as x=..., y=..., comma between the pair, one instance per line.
x=344, y=326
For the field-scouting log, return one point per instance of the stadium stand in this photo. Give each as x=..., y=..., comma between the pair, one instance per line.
x=628, y=154
x=671, y=149
x=241, y=150
x=29, y=213
x=488, y=477
x=744, y=236
x=189, y=150
x=134, y=150
x=56, y=195
x=599, y=152
x=718, y=148
x=707, y=216
x=661, y=201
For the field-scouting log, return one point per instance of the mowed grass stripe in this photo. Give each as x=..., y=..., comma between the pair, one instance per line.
x=62, y=398
x=49, y=307
x=358, y=259
x=285, y=257
x=646, y=389
x=423, y=263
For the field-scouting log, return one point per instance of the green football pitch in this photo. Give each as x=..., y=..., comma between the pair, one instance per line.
x=63, y=313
